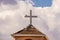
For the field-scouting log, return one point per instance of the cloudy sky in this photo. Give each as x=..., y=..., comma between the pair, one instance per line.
x=12, y=18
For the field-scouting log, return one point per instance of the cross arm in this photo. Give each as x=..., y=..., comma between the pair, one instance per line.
x=32, y=16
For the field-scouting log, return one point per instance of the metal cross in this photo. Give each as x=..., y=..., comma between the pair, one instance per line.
x=31, y=17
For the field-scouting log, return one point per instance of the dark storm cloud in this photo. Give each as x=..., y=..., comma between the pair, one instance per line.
x=10, y=2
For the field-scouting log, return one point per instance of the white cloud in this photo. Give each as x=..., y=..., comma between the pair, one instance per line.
x=12, y=17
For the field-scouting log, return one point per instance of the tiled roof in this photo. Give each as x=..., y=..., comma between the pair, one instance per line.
x=28, y=31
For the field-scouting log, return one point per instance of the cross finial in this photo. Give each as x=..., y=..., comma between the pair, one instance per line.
x=30, y=17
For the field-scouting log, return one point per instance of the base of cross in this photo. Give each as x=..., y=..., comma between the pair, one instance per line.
x=30, y=26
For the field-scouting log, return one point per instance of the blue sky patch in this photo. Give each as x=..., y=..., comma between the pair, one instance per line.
x=42, y=3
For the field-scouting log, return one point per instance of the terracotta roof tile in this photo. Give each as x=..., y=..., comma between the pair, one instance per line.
x=29, y=30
